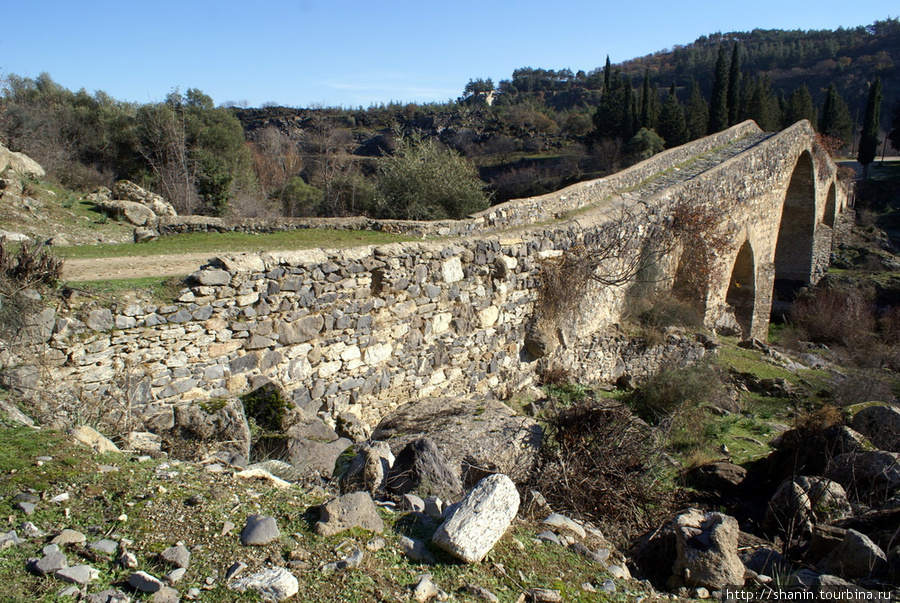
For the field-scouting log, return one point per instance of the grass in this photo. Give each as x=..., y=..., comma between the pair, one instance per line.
x=228, y=242
x=159, y=515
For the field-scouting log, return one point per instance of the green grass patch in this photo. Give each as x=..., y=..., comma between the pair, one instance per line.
x=160, y=288
x=213, y=243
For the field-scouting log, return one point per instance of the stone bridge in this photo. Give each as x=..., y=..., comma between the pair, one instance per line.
x=360, y=331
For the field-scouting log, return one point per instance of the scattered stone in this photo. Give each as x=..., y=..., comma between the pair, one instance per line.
x=110, y=595
x=369, y=469
x=175, y=575
x=608, y=587
x=144, y=582
x=274, y=584
x=376, y=544
x=473, y=528
x=68, y=536
x=619, y=571
x=425, y=589
x=421, y=467
x=50, y=563
x=29, y=530
x=78, y=574
x=105, y=547
x=354, y=510
x=59, y=498
x=260, y=530
x=549, y=536
x=561, y=521
x=177, y=556
x=881, y=424
x=855, y=557
x=127, y=560
x=411, y=502
x=166, y=594
x=481, y=593
x=260, y=474
x=544, y=595
x=9, y=539
x=70, y=591
x=26, y=507
x=415, y=550
x=236, y=569
x=352, y=561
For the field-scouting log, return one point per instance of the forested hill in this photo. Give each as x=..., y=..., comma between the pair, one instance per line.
x=850, y=58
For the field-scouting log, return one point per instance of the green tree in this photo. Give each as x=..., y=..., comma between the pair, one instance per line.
x=649, y=104
x=672, y=122
x=762, y=104
x=643, y=145
x=835, y=118
x=868, y=142
x=424, y=182
x=479, y=86
x=734, y=85
x=696, y=113
x=297, y=198
x=718, y=105
x=800, y=106
x=894, y=134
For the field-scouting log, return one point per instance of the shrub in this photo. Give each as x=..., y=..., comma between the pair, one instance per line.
x=671, y=390
x=841, y=316
x=598, y=462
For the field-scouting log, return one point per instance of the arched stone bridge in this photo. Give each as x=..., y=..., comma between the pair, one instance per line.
x=361, y=330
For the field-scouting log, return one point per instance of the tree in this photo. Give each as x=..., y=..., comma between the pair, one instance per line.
x=479, y=86
x=696, y=113
x=734, y=85
x=868, y=142
x=649, y=104
x=800, y=106
x=894, y=134
x=424, y=182
x=835, y=120
x=762, y=104
x=643, y=145
x=718, y=105
x=672, y=122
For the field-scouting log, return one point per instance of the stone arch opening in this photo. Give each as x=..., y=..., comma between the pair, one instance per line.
x=742, y=288
x=830, y=207
x=794, y=250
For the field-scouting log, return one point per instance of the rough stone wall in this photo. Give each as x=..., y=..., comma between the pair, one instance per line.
x=365, y=329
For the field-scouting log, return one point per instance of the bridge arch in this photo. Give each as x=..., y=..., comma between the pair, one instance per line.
x=795, y=246
x=828, y=218
x=741, y=293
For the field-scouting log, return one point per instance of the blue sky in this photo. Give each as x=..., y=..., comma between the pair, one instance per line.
x=354, y=53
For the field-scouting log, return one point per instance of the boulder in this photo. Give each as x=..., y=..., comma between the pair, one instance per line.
x=143, y=234
x=354, y=510
x=213, y=426
x=134, y=213
x=800, y=503
x=881, y=424
x=475, y=525
x=855, y=557
x=872, y=475
x=260, y=530
x=421, y=467
x=309, y=445
x=479, y=437
x=20, y=163
x=368, y=470
x=129, y=191
x=720, y=476
x=707, y=545
x=810, y=452
x=93, y=438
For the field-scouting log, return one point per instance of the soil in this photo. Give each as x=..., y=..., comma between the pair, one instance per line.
x=98, y=269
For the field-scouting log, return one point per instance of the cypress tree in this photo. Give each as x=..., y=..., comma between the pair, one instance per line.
x=649, y=104
x=734, y=85
x=894, y=134
x=697, y=113
x=607, y=76
x=718, y=105
x=835, y=120
x=672, y=122
x=800, y=106
x=868, y=142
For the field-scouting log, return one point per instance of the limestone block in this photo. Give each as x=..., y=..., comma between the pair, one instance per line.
x=452, y=270
x=707, y=550
x=480, y=520
x=273, y=584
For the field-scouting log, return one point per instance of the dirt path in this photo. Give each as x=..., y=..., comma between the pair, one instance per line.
x=99, y=269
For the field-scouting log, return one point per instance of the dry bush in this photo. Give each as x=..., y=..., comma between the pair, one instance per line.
x=554, y=374
x=599, y=463
x=670, y=391
x=24, y=267
x=842, y=316
x=664, y=310
x=864, y=385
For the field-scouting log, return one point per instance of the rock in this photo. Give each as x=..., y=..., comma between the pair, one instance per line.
x=125, y=189
x=473, y=528
x=134, y=213
x=707, y=545
x=351, y=561
x=719, y=476
x=78, y=574
x=144, y=442
x=23, y=164
x=199, y=430
x=354, y=510
x=144, y=234
x=855, y=557
x=425, y=589
x=9, y=410
x=68, y=537
x=93, y=438
x=104, y=547
x=309, y=446
x=881, y=424
x=369, y=469
x=166, y=594
x=479, y=437
x=274, y=584
x=260, y=530
x=479, y=592
x=562, y=522
x=176, y=556
x=99, y=320
x=260, y=474
x=144, y=582
x=175, y=575
x=874, y=474
x=798, y=452
x=211, y=277
x=110, y=595
x=415, y=550
x=50, y=563
x=422, y=468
